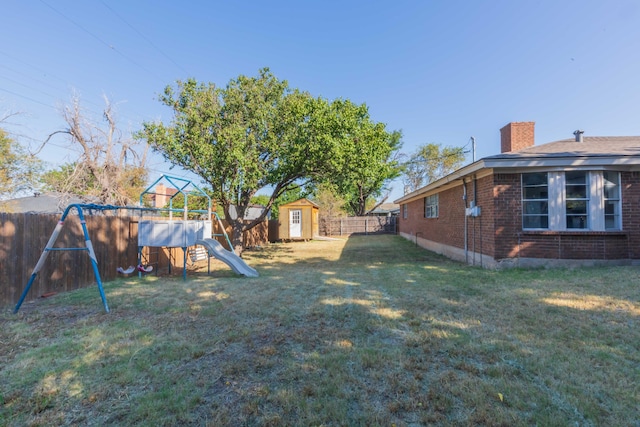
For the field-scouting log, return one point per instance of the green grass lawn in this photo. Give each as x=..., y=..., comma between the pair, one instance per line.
x=366, y=331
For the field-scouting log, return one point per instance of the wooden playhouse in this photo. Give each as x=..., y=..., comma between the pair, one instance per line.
x=298, y=220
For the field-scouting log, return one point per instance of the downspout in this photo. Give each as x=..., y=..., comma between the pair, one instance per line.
x=481, y=239
x=466, y=240
x=475, y=204
x=475, y=195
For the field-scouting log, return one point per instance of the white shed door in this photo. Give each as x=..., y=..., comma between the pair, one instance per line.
x=295, y=227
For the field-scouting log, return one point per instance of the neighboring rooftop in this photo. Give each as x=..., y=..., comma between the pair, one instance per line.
x=39, y=203
x=386, y=209
x=252, y=212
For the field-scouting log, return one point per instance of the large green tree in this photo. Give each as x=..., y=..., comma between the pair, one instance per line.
x=429, y=163
x=364, y=157
x=255, y=133
x=19, y=171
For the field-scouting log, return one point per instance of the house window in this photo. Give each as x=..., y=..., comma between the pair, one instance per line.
x=577, y=199
x=571, y=200
x=611, y=200
x=431, y=206
x=404, y=211
x=535, y=200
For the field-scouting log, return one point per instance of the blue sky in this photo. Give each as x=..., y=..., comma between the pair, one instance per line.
x=439, y=71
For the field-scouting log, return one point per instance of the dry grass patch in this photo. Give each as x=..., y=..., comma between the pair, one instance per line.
x=366, y=331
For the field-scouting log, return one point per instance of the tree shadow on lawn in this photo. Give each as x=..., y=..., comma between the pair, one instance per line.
x=461, y=335
x=554, y=330
x=375, y=331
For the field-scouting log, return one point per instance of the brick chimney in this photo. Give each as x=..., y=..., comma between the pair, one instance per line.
x=516, y=136
x=161, y=196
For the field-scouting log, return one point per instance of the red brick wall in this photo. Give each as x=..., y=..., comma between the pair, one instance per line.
x=507, y=193
x=481, y=236
x=573, y=245
x=513, y=242
x=448, y=228
x=630, y=183
x=498, y=233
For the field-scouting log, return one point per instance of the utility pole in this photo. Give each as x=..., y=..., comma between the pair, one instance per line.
x=473, y=148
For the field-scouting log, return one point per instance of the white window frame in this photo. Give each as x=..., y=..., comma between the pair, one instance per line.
x=585, y=219
x=535, y=200
x=557, y=202
x=431, y=206
x=296, y=216
x=405, y=213
x=615, y=197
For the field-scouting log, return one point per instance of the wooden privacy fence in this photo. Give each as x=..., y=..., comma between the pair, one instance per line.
x=23, y=237
x=341, y=226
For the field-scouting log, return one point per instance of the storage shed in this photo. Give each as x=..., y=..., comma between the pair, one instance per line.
x=298, y=220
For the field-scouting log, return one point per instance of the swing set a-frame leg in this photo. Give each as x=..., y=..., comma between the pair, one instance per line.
x=45, y=253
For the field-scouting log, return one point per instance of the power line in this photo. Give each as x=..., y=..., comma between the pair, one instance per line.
x=148, y=40
x=28, y=87
x=28, y=81
x=35, y=67
x=48, y=85
x=48, y=73
x=109, y=46
x=25, y=97
x=95, y=111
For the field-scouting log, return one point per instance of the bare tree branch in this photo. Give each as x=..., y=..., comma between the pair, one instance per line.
x=109, y=170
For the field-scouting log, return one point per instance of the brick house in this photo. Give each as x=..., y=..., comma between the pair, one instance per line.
x=570, y=202
x=162, y=195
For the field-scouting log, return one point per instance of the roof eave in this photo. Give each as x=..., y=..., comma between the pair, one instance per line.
x=454, y=176
x=626, y=163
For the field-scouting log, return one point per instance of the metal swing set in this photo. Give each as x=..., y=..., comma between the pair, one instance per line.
x=201, y=233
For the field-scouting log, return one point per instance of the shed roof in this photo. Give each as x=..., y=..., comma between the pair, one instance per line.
x=302, y=201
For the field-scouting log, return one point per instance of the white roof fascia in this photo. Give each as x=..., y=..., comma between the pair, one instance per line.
x=510, y=165
x=452, y=178
x=629, y=163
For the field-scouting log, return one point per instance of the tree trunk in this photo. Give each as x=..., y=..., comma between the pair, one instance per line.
x=237, y=229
